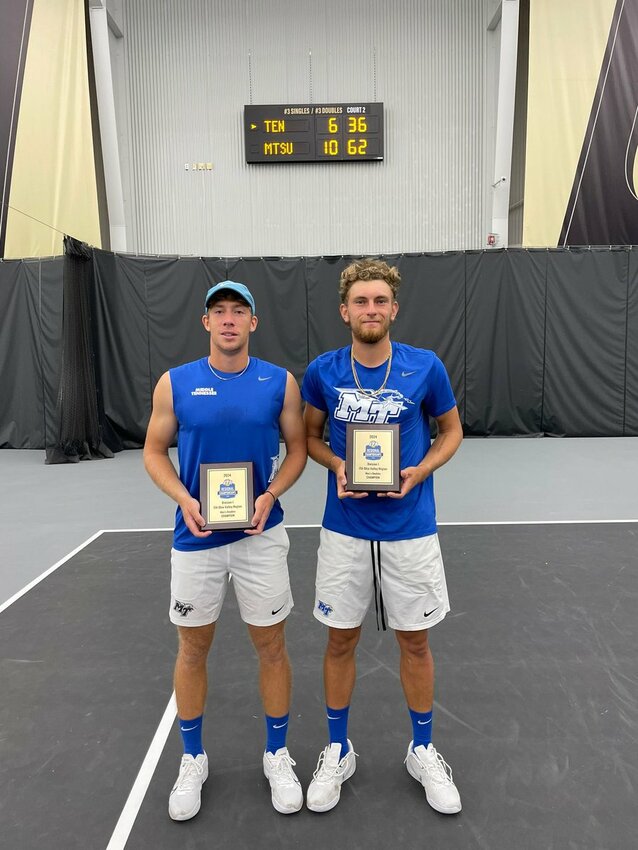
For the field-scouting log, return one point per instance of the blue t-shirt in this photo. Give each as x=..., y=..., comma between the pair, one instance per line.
x=417, y=387
x=226, y=421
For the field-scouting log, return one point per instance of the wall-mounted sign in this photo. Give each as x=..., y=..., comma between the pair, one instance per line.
x=315, y=132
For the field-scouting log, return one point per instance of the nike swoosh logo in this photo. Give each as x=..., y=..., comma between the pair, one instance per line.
x=264, y=379
x=281, y=726
x=424, y=722
x=278, y=610
x=189, y=729
x=407, y=374
x=427, y=613
x=330, y=717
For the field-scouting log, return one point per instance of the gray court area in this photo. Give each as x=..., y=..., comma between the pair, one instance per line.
x=535, y=710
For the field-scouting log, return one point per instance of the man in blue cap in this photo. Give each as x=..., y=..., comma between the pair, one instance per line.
x=229, y=407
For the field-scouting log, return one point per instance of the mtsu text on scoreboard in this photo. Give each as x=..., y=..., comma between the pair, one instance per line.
x=316, y=132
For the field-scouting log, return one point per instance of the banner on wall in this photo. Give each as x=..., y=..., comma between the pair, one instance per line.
x=15, y=22
x=581, y=183
x=49, y=184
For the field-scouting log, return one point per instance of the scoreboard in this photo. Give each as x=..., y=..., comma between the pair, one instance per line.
x=316, y=132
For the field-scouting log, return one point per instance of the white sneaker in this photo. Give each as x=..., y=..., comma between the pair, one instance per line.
x=325, y=789
x=429, y=768
x=287, y=796
x=186, y=796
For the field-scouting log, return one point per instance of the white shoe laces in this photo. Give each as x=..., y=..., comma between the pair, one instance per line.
x=439, y=770
x=325, y=772
x=189, y=772
x=282, y=767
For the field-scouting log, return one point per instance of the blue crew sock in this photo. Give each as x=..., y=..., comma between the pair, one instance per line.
x=276, y=729
x=338, y=727
x=191, y=732
x=421, y=728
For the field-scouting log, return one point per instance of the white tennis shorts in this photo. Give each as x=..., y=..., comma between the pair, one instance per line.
x=259, y=568
x=405, y=577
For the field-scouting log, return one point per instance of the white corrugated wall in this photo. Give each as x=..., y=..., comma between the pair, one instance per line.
x=189, y=68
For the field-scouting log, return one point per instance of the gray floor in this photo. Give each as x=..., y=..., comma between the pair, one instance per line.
x=535, y=707
x=46, y=511
x=536, y=701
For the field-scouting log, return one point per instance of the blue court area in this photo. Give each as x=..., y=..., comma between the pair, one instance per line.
x=535, y=707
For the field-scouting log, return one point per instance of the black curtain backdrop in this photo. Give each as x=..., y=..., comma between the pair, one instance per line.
x=538, y=342
x=505, y=341
x=30, y=351
x=123, y=360
x=586, y=343
x=631, y=370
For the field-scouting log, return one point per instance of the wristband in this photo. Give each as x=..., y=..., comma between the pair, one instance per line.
x=270, y=493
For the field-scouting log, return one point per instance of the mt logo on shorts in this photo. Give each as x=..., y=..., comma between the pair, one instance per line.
x=183, y=608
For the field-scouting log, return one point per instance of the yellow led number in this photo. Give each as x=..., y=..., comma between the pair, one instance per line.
x=357, y=147
x=357, y=125
x=331, y=146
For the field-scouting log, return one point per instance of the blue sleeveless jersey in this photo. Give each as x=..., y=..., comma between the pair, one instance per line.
x=417, y=387
x=226, y=421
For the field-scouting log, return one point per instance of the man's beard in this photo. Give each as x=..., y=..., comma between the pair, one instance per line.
x=371, y=335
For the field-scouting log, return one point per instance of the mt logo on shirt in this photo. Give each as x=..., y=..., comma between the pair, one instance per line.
x=354, y=406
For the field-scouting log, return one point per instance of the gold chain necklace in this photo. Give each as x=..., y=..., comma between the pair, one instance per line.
x=356, y=377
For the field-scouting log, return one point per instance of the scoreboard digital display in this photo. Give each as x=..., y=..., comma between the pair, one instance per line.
x=316, y=132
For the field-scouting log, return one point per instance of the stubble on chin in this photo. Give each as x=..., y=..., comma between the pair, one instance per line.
x=370, y=335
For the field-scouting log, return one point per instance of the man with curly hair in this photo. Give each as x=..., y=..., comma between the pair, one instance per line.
x=380, y=545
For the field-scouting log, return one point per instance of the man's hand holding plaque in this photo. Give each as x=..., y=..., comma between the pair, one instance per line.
x=373, y=458
x=226, y=495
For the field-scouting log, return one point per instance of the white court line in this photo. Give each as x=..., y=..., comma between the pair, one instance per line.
x=48, y=572
x=542, y=522
x=313, y=525
x=513, y=522
x=124, y=530
x=476, y=522
x=132, y=806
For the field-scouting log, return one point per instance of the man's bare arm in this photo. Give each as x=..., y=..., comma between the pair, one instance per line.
x=162, y=428
x=320, y=452
x=446, y=442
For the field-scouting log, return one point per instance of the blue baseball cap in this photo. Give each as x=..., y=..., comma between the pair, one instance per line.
x=239, y=288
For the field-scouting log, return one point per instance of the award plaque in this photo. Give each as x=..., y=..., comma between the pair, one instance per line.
x=373, y=458
x=226, y=495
